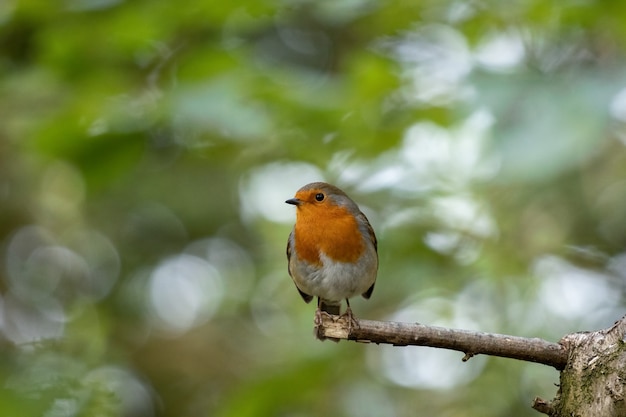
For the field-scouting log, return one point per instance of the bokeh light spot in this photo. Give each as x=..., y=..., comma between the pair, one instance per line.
x=572, y=292
x=185, y=291
x=424, y=367
x=134, y=396
x=24, y=324
x=264, y=191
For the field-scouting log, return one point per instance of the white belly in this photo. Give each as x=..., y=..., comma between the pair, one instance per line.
x=336, y=281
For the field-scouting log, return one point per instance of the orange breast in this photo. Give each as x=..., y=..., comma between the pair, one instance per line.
x=329, y=229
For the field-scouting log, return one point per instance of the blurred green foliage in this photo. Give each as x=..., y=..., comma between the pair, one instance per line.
x=146, y=149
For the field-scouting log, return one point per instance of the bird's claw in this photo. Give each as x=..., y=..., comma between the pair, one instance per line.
x=318, y=317
x=353, y=323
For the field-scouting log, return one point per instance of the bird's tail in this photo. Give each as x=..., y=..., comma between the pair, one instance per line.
x=333, y=309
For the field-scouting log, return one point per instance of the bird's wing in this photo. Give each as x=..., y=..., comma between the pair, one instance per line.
x=370, y=231
x=290, y=242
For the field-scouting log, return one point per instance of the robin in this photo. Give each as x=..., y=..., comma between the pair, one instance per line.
x=332, y=251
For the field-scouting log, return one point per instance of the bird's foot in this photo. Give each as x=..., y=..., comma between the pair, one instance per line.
x=317, y=331
x=318, y=317
x=353, y=323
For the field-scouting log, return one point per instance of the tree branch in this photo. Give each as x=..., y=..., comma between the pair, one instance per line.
x=469, y=342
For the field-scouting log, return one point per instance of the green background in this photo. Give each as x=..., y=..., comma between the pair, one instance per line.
x=147, y=148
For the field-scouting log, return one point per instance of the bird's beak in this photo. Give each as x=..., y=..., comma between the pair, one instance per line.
x=294, y=201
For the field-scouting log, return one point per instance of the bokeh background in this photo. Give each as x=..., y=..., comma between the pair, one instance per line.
x=147, y=148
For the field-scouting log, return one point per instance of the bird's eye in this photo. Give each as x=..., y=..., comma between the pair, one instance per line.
x=319, y=197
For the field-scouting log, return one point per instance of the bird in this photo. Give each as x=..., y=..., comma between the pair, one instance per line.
x=332, y=251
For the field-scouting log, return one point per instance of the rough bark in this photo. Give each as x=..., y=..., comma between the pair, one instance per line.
x=593, y=383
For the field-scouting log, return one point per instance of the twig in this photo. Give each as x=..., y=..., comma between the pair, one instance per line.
x=543, y=406
x=469, y=342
